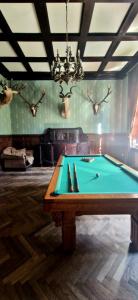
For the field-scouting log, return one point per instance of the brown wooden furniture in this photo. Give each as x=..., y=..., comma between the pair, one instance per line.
x=13, y=159
x=57, y=141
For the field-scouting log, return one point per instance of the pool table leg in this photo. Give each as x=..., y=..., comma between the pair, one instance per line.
x=134, y=230
x=68, y=231
x=57, y=218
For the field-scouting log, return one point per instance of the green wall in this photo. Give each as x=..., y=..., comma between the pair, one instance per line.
x=132, y=94
x=112, y=116
x=5, y=118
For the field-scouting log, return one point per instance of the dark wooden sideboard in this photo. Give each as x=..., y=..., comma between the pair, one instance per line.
x=49, y=153
x=56, y=141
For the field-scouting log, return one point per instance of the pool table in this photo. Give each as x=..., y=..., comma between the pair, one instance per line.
x=90, y=185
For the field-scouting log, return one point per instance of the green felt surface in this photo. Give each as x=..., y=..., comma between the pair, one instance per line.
x=112, y=178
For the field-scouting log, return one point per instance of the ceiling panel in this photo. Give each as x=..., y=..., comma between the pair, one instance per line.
x=96, y=48
x=134, y=25
x=57, y=17
x=126, y=48
x=6, y=49
x=91, y=66
x=33, y=49
x=14, y=67
x=115, y=65
x=103, y=22
x=40, y=66
x=105, y=32
x=20, y=17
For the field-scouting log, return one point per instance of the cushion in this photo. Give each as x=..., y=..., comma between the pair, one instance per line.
x=11, y=151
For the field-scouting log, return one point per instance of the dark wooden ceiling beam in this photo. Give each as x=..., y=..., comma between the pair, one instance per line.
x=113, y=58
x=131, y=64
x=24, y=37
x=112, y=36
x=132, y=12
x=60, y=37
x=6, y=29
x=115, y=1
x=85, y=59
x=4, y=71
x=47, y=37
x=42, y=15
x=63, y=1
x=87, y=13
x=29, y=59
x=33, y=76
x=47, y=76
x=103, y=75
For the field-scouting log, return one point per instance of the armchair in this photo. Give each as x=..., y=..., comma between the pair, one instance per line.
x=13, y=159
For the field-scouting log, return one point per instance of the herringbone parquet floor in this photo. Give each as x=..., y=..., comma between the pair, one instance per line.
x=32, y=265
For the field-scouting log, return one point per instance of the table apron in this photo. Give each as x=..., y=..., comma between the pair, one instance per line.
x=88, y=209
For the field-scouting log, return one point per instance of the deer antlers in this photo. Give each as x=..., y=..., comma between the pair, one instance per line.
x=6, y=95
x=67, y=95
x=33, y=106
x=96, y=105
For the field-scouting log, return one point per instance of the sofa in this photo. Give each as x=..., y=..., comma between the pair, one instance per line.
x=16, y=159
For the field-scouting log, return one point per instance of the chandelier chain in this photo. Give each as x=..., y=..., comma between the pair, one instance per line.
x=69, y=69
x=67, y=22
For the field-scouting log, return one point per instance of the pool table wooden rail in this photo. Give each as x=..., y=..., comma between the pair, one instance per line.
x=65, y=207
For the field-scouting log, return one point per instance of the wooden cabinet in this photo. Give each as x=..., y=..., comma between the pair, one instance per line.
x=57, y=141
x=48, y=153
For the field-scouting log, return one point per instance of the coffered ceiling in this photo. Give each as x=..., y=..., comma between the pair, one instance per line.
x=106, y=32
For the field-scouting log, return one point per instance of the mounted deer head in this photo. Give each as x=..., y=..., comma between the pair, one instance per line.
x=33, y=106
x=95, y=104
x=65, y=106
x=6, y=94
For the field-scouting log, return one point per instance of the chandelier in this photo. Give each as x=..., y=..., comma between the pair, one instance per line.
x=70, y=69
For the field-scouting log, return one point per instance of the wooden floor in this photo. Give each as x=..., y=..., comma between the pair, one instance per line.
x=32, y=265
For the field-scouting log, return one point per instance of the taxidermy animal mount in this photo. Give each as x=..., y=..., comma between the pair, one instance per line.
x=96, y=105
x=64, y=107
x=6, y=93
x=33, y=106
